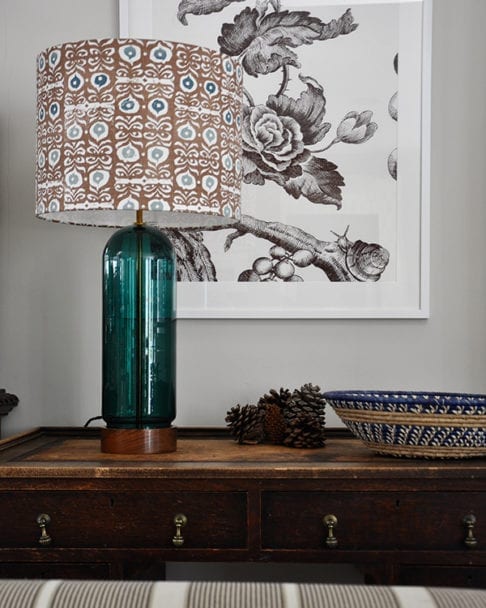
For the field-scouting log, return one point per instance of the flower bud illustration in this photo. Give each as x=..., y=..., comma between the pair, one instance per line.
x=356, y=128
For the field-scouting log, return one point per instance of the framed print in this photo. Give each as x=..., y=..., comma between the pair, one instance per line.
x=335, y=159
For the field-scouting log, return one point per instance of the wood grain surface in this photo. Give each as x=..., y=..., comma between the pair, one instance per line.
x=77, y=452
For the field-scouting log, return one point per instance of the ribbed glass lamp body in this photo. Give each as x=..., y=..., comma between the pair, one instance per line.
x=139, y=329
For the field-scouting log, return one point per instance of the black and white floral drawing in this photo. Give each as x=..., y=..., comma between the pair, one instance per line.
x=288, y=142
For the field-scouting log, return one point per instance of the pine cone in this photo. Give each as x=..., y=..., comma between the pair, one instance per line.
x=274, y=402
x=305, y=419
x=280, y=398
x=304, y=430
x=309, y=398
x=274, y=424
x=246, y=423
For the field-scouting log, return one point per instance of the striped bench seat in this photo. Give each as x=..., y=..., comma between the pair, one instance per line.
x=123, y=594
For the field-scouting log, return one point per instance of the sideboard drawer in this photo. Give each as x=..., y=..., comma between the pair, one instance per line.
x=294, y=520
x=373, y=520
x=435, y=520
x=125, y=519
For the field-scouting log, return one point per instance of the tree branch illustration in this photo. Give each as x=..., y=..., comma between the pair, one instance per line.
x=341, y=260
x=327, y=255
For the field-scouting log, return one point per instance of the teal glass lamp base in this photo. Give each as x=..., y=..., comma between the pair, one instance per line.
x=139, y=283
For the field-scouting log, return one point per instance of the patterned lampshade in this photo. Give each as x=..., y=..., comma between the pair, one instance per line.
x=126, y=125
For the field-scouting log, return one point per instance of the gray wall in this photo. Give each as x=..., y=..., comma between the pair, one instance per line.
x=50, y=274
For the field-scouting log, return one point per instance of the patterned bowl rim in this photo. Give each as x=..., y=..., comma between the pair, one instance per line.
x=407, y=397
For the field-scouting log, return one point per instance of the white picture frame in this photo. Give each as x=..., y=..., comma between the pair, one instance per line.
x=403, y=289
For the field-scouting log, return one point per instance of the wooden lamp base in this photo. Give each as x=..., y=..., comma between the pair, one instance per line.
x=138, y=441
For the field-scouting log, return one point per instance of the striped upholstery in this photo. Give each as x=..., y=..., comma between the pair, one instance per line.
x=450, y=598
x=123, y=594
x=350, y=596
x=235, y=595
x=17, y=594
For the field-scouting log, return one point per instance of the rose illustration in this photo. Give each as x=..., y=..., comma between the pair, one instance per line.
x=278, y=140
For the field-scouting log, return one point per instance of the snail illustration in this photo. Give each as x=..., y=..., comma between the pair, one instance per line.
x=364, y=261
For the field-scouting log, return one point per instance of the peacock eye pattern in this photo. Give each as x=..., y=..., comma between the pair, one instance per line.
x=87, y=89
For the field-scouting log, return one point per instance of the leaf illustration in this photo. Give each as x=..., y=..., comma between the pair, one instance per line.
x=344, y=25
x=308, y=110
x=267, y=43
x=320, y=182
x=201, y=7
x=256, y=170
x=254, y=177
x=193, y=257
x=237, y=36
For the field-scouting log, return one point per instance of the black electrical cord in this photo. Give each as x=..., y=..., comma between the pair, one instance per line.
x=90, y=420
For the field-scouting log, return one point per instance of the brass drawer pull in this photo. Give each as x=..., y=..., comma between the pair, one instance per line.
x=331, y=522
x=469, y=521
x=180, y=521
x=43, y=519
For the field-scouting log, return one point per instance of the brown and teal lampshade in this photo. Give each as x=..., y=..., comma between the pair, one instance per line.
x=142, y=134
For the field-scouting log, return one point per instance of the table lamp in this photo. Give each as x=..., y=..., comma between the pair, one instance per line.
x=138, y=134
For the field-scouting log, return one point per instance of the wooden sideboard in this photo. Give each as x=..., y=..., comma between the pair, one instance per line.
x=69, y=511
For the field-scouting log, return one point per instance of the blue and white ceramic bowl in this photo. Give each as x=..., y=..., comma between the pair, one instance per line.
x=415, y=424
